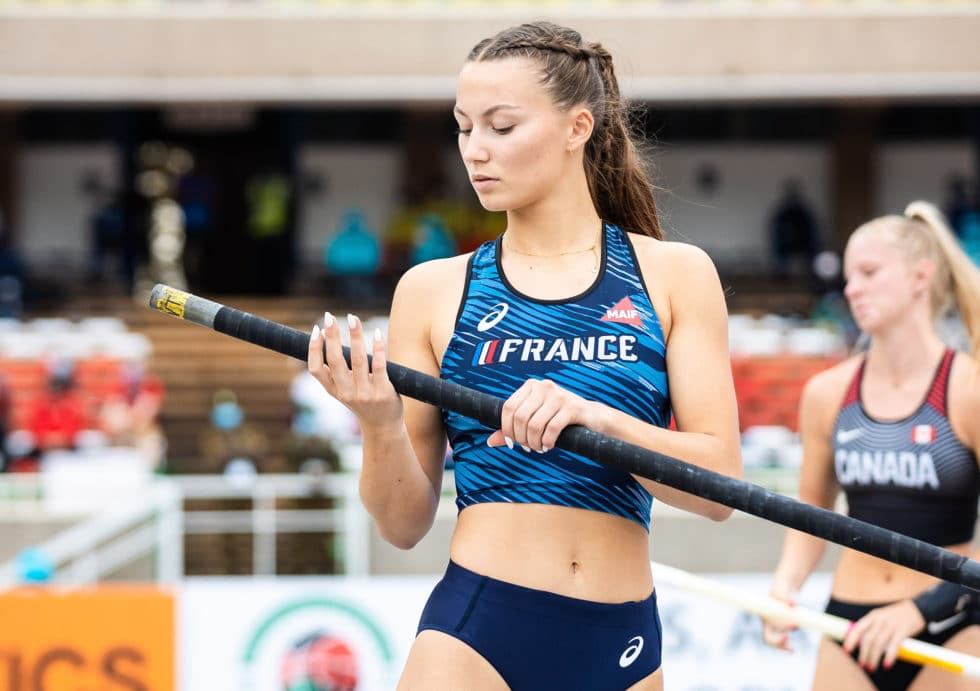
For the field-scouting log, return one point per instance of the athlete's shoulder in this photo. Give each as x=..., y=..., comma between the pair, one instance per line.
x=427, y=295
x=966, y=367
x=963, y=394
x=681, y=260
x=435, y=273
x=826, y=389
x=668, y=249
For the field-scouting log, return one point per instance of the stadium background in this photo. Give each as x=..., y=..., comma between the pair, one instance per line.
x=227, y=146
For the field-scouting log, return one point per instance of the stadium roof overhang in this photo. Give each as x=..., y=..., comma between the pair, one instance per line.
x=397, y=54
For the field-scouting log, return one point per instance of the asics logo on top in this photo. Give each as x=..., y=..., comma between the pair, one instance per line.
x=494, y=316
x=623, y=312
x=632, y=652
x=848, y=435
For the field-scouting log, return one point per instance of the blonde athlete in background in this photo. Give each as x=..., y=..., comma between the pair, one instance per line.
x=898, y=429
x=579, y=314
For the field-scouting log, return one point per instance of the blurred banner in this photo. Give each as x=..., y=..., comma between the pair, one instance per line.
x=709, y=646
x=292, y=634
x=112, y=637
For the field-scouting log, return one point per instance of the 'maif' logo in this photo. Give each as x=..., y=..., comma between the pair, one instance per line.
x=623, y=312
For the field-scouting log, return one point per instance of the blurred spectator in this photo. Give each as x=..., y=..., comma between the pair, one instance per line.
x=269, y=199
x=958, y=203
x=963, y=211
x=107, y=228
x=4, y=420
x=57, y=414
x=196, y=195
x=432, y=240
x=229, y=437
x=130, y=415
x=11, y=297
x=321, y=425
x=793, y=232
x=317, y=413
x=353, y=257
x=12, y=274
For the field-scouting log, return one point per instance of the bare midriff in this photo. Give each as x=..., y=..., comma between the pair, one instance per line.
x=577, y=553
x=862, y=578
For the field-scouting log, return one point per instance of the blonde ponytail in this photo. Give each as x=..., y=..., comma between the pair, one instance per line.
x=957, y=280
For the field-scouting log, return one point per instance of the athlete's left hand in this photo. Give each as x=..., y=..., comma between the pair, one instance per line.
x=538, y=411
x=880, y=633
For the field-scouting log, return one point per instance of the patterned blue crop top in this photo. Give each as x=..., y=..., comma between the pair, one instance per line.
x=606, y=345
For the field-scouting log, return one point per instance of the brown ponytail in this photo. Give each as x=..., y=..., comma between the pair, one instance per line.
x=579, y=73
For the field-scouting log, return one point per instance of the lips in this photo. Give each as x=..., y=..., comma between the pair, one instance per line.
x=482, y=183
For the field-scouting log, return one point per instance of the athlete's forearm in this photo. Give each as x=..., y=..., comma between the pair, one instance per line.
x=705, y=450
x=801, y=554
x=393, y=487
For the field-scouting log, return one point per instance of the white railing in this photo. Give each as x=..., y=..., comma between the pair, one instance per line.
x=137, y=525
x=153, y=521
x=348, y=521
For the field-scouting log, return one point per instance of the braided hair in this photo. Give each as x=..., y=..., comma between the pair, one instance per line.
x=576, y=72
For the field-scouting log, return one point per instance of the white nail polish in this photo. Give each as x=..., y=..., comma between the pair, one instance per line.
x=351, y=321
x=327, y=320
x=545, y=449
x=315, y=334
x=526, y=448
x=509, y=442
x=377, y=334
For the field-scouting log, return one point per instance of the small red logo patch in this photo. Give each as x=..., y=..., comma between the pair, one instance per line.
x=923, y=434
x=623, y=312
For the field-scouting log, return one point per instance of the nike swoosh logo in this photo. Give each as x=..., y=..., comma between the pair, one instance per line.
x=845, y=436
x=937, y=627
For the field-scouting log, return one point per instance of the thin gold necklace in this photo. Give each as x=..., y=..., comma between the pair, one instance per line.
x=594, y=248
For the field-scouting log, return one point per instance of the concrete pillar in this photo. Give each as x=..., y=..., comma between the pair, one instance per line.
x=853, y=148
x=9, y=145
x=426, y=136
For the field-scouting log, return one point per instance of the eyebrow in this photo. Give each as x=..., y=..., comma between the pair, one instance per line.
x=489, y=111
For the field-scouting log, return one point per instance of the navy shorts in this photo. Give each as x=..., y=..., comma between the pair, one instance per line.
x=539, y=640
x=902, y=674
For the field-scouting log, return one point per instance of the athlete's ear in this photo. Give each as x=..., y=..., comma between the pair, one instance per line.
x=581, y=125
x=923, y=271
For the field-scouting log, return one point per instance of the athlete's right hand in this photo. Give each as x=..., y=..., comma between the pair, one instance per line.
x=776, y=632
x=367, y=392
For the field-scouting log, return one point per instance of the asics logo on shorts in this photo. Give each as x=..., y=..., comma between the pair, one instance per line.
x=632, y=652
x=494, y=317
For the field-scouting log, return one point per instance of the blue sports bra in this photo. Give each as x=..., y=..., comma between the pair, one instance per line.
x=606, y=345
